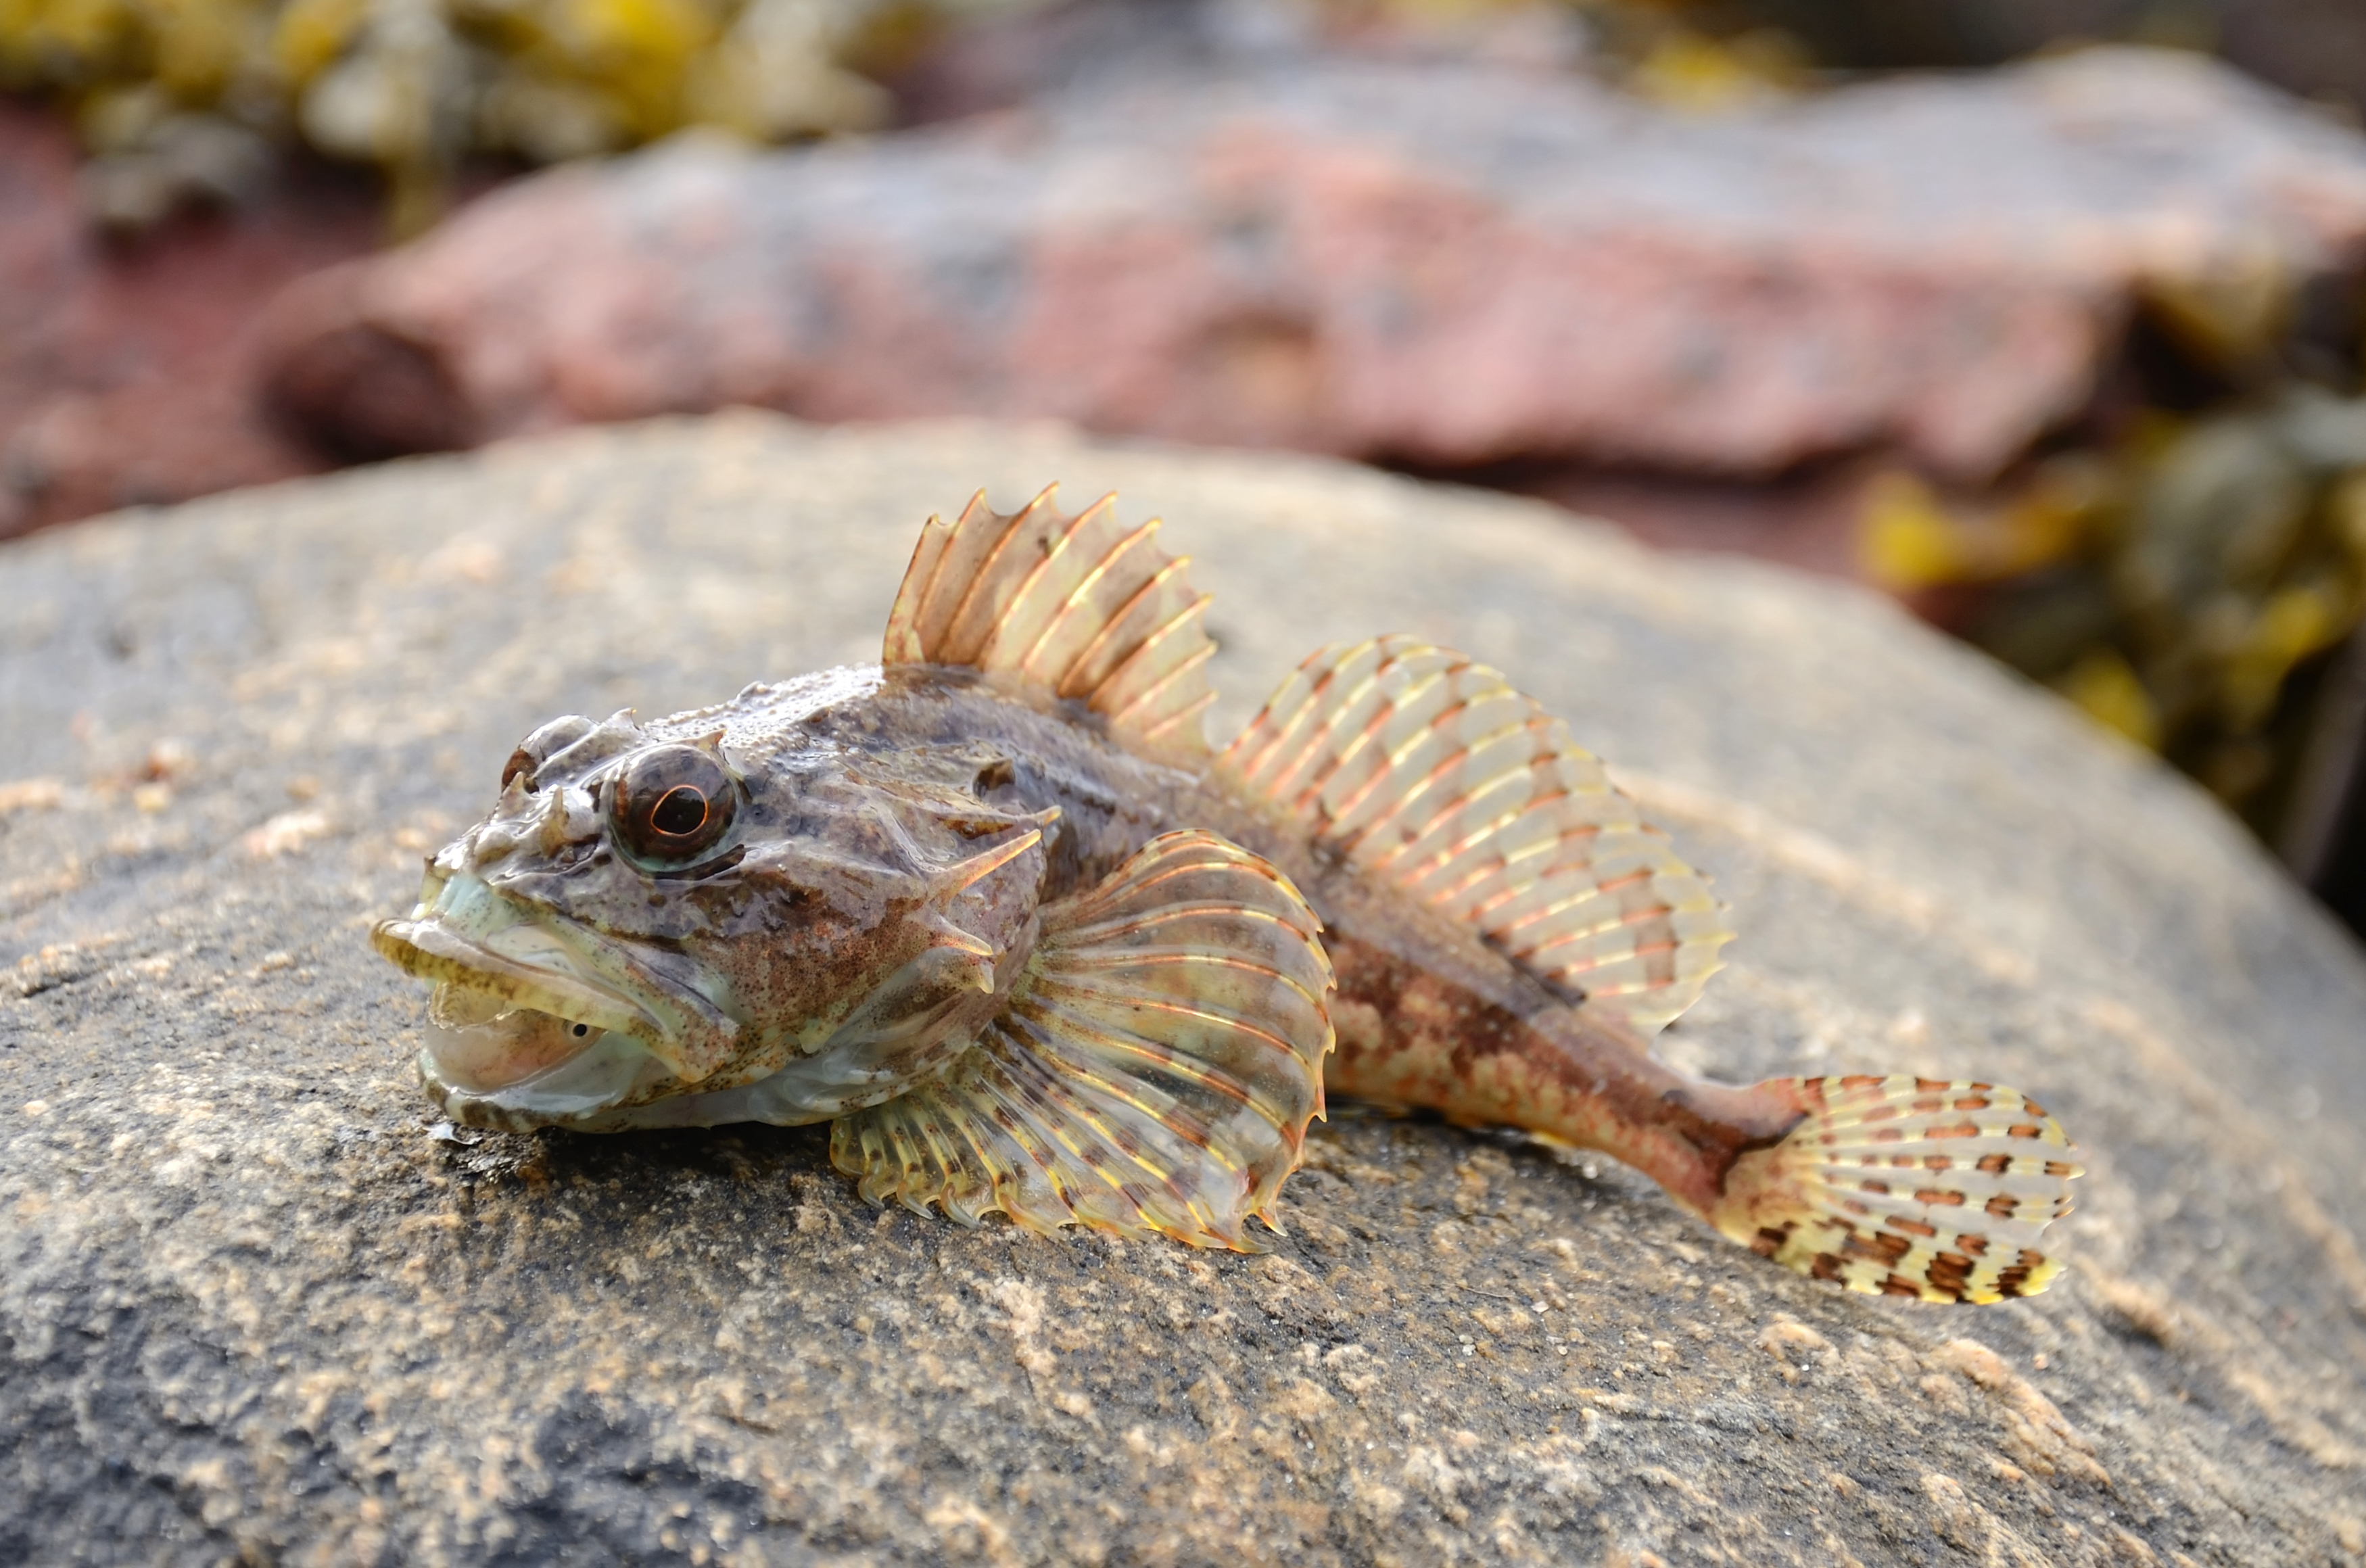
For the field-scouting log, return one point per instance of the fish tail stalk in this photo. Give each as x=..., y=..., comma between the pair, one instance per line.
x=1890, y=1185
x=1903, y=1186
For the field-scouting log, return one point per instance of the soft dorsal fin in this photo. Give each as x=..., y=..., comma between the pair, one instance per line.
x=1081, y=606
x=1431, y=772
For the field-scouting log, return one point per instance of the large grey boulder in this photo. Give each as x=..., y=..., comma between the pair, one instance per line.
x=253, y=1307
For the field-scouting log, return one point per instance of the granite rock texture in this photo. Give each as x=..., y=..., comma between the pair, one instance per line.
x=1439, y=264
x=251, y=1308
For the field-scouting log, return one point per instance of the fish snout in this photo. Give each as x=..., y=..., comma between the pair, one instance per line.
x=426, y=949
x=473, y=942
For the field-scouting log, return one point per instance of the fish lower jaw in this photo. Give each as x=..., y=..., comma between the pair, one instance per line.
x=587, y=1088
x=480, y=1045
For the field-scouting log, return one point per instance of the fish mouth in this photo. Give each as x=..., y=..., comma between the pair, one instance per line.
x=428, y=949
x=513, y=1046
x=531, y=1025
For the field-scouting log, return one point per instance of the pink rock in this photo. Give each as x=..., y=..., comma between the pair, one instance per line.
x=1437, y=265
x=124, y=368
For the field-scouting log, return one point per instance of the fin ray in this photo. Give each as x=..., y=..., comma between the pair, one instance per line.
x=1153, y=1072
x=1082, y=607
x=1906, y=1186
x=1430, y=771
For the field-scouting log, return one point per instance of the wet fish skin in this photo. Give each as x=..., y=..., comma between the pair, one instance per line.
x=862, y=791
x=994, y=909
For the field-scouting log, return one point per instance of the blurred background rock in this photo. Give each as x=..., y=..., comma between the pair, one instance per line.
x=2061, y=344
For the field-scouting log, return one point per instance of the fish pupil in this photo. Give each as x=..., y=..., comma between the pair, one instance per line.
x=581, y=1029
x=669, y=803
x=682, y=810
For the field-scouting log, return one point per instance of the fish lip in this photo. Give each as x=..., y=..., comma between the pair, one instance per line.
x=428, y=949
x=466, y=932
x=531, y=1102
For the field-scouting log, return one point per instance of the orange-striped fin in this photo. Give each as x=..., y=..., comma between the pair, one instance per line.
x=1083, y=606
x=1153, y=1070
x=1430, y=771
x=1906, y=1186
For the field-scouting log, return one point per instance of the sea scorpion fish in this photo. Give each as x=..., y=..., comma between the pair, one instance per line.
x=994, y=910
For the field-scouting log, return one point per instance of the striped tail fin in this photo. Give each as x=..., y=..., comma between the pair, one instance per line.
x=1906, y=1186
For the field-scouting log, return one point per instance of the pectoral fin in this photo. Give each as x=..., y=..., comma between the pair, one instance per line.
x=1154, y=1071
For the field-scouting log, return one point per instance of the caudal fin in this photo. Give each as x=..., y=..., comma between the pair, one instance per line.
x=1906, y=1186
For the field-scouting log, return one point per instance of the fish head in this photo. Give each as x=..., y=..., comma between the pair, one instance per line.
x=756, y=912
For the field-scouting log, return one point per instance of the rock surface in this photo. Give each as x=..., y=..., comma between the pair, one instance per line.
x=1444, y=264
x=251, y=1307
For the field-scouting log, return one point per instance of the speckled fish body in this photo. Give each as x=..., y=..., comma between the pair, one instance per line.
x=994, y=910
x=893, y=831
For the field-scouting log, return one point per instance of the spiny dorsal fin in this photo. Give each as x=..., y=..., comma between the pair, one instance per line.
x=1908, y=1187
x=1154, y=1072
x=1080, y=606
x=1431, y=772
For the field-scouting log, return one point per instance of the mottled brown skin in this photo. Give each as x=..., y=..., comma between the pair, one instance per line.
x=1427, y=1014
x=1409, y=1038
x=856, y=789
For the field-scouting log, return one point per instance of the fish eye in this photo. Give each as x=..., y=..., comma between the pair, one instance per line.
x=673, y=803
